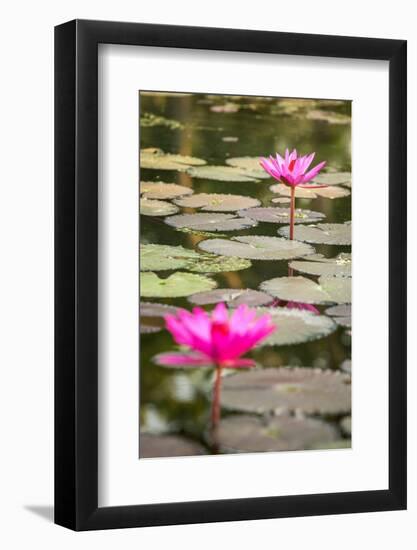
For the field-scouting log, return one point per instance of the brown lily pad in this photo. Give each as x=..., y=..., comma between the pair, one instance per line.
x=312, y=391
x=249, y=434
x=233, y=297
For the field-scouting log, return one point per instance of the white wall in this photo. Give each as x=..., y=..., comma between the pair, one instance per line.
x=26, y=301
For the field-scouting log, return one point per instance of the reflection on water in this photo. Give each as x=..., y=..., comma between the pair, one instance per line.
x=214, y=129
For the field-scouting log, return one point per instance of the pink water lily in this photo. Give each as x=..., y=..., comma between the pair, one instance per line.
x=292, y=171
x=218, y=339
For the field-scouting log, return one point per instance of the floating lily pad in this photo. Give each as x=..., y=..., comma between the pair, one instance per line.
x=159, y=257
x=153, y=309
x=149, y=120
x=257, y=247
x=207, y=234
x=244, y=433
x=225, y=108
x=340, y=266
x=210, y=222
x=346, y=366
x=151, y=316
x=233, y=297
x=288, y=389
x=146, y=328
x=155, y=159
x=333, y=178
x=250, y=165
x=296, y=289
x=337, y=444
x=161, y=190
x=149, y=207
x=153, y=446
x=220, y=173
x=338, y=288
x=309, y=192
x=215, y=202
x=342, y=314
x=332, y=192
x=296, y=326
x=281, y=215
x=217, y=264
x=327, y=116
x=322, y=233
x=176, y=285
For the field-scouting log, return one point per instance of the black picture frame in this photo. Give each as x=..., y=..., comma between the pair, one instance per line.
x=76, y=272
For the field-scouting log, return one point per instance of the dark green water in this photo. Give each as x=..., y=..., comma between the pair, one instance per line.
x=178, y=401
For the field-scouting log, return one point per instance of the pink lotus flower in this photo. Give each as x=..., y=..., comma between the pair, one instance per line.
x=218, y=339
x=292, y=170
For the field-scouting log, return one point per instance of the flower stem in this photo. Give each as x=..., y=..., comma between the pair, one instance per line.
x=292, y=213
x=215, y=407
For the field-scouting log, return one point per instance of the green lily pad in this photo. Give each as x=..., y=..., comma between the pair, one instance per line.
x=322, y=233
x=312, y=391
x=333, y=178
x=296, y=289
x=257, y=247
x=215, y=202
x=250, y=165
x=160, y=257
x=220, y=173
x=338, y=288
x=309, y=192
x=327, y=116
x=174, y=286
x=296, y=326
x=153, y=446
x=233, y=297
x=249, y=434
x=161, y=190
x=207, y=234
x=281, y=215
x=155, y=159
x=149, y=207
x=210, y=222
x=149, y=120
x=217, y=264
x=340, y=266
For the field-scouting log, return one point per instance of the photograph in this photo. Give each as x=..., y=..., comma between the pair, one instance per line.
x=245, y=274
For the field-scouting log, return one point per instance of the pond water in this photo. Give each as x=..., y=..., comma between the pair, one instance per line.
x=178, y=401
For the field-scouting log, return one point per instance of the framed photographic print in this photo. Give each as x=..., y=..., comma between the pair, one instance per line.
x=230, y=275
